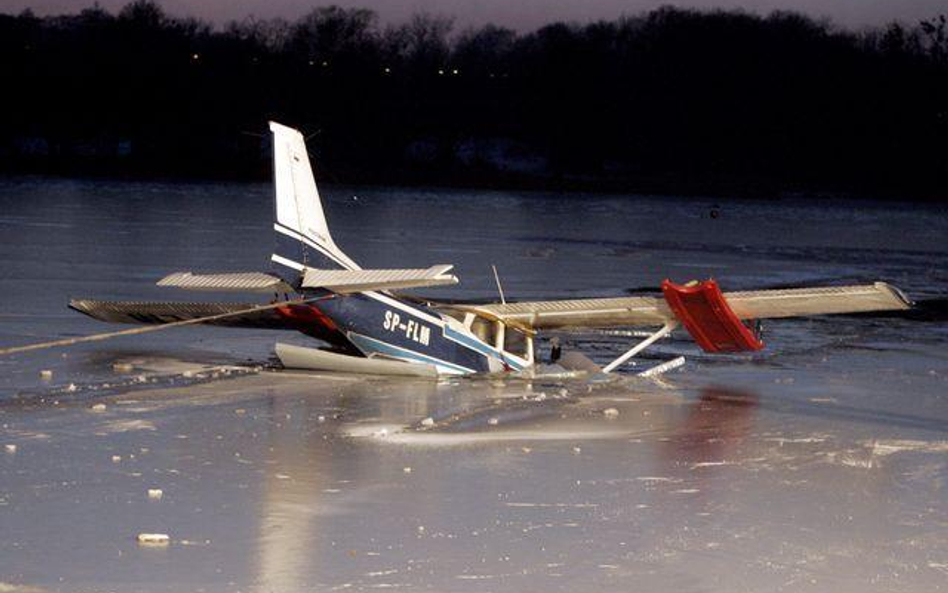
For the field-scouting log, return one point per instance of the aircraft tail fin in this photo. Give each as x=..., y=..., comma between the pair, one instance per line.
x=303, y=238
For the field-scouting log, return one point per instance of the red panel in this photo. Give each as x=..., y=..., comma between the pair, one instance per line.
x=706, y=315
x=309, y=319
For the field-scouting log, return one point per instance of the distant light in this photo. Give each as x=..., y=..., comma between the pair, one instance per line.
x=325, y=64
x=440, y=72
x=312, y=63
x=388, y=70
x=195, y=56
x=455, y=72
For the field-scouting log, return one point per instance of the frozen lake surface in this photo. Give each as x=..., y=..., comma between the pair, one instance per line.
x=819, y=464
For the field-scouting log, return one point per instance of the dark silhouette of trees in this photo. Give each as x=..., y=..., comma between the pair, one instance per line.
x=671, y=100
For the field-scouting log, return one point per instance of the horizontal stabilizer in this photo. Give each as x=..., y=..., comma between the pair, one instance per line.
x=237, y=282
x=650, y=311
x=349, y=281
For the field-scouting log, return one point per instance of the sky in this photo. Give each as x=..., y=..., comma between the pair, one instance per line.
x=523, y=15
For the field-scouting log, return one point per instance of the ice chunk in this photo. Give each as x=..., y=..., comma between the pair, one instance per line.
x=98, y=408
x=10, y=448
x=428, y=421
x=154, y=539
x=46, y=374
x=122, y=367
x=155, y=493
x=610, y=413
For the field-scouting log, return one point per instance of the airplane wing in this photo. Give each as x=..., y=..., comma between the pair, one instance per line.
x=156, y=313
x=653, y=311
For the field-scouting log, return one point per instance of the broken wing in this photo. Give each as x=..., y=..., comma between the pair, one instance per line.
x=652, y=311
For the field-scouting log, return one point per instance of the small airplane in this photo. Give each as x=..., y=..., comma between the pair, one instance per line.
x=372, y=327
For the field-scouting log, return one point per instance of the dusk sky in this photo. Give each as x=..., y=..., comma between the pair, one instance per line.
x=519, y=14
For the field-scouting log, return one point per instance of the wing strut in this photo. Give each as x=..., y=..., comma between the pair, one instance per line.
x=664, y=331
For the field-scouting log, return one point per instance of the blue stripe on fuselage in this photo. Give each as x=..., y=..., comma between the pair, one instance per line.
x=365, y=315
x=369, y=345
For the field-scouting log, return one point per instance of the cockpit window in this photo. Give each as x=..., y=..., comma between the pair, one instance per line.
x=515, y=342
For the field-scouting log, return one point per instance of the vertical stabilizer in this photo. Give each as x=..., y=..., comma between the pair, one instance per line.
x=303, y=237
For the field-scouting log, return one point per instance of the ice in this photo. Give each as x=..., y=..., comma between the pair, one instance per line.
x=154, y=539
x=821, y=458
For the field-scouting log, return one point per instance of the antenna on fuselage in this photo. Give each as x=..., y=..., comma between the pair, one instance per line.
x=500, y=288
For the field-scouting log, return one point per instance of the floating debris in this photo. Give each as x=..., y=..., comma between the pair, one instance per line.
x=155, y=493
x=154, y=539
x=10, y=448
x=116, y=458
x=429, y=421
x=577, y=450
x=406, y=470
x=46, y=374
x=320, y=418
x=610, y=413
x=98, y=408
x=71, y=387
x=493, y=421
x=122, y=367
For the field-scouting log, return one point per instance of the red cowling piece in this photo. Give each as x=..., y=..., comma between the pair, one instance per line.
x=308, y=318
x=706, y=315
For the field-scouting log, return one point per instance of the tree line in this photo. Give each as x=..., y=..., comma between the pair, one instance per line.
x=670, y=100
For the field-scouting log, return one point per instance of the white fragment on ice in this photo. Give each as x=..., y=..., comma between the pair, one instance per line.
x=281, y=476
x=71, y=387
x=10, y=448
x=46, y=374
x=98, y=408
x=686, y=491
x=406, y=470
x=122, y=367
x=888, y=447
x=155, y=493
x=380, y=433
x=240, y=411
x=709, y=464
x=320, y=418
x=116, y=458
x=187, y=374
x=610, y=413
x=526, y=449
x=577, y=450
x=154, y=539
x=428, y=422
x=421, y=529
x=492, y=421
